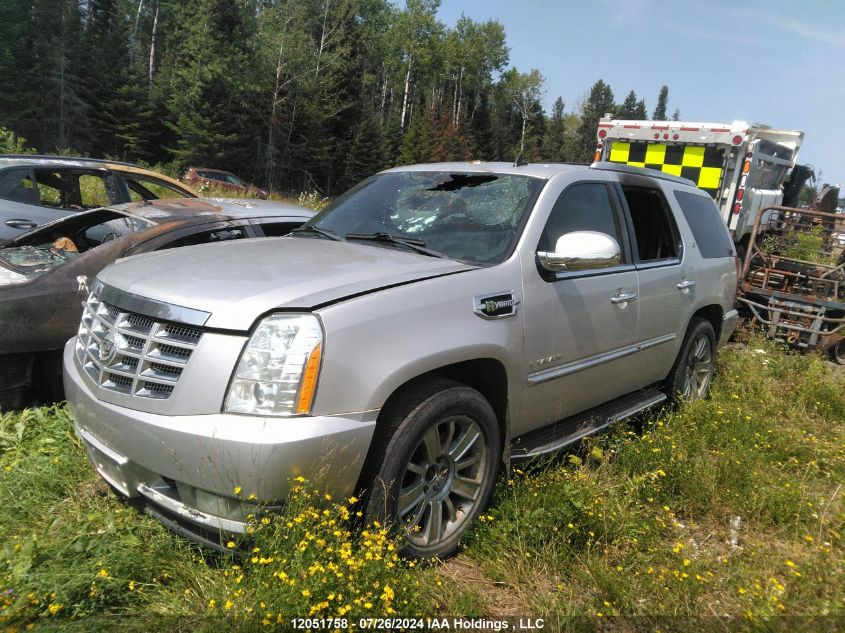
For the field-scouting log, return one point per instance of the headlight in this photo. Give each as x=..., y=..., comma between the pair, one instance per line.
x=277, y=371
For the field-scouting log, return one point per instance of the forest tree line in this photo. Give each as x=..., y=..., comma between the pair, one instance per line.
x=292, y=94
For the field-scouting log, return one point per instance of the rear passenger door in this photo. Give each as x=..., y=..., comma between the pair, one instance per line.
x=666, y=282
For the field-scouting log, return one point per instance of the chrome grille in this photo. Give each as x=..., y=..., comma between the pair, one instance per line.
x=131, y=353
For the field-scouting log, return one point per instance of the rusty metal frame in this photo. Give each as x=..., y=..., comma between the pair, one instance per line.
x=800, y=301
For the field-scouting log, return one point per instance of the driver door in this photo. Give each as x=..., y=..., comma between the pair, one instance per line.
x=579, y=335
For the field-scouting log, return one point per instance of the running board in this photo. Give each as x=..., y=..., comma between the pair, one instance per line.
x=570, y=430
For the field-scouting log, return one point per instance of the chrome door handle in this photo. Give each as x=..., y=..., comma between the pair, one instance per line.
x=16, y=223
x=686, y=284
x=623, y=297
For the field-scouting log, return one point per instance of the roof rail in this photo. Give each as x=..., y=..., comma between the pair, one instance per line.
x=64, y=158
x=640, y=171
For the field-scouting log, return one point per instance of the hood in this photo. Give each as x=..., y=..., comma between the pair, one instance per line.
x=235, y=282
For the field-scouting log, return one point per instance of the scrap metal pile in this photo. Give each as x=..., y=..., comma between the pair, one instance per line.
x=793, y=277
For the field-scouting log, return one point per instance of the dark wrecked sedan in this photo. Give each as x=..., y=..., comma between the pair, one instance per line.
x=45, y=274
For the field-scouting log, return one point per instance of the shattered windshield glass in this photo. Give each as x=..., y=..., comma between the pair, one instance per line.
x=62, y=241
x=472, y=217
x=37, y=259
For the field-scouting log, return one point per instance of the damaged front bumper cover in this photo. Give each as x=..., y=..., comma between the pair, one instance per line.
x=204, y=476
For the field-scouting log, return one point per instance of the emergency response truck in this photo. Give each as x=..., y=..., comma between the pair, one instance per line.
x=743, y=167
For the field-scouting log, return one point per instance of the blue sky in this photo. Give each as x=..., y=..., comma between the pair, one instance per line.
x=776, y=62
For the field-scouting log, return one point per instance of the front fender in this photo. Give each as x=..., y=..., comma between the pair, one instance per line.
x=377, y=342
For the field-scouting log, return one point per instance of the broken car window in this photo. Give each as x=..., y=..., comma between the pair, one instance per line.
x=143, y=188
x=473, y=217
x=58, y=242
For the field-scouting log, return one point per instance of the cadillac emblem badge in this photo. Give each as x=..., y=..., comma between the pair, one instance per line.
x=108, y=348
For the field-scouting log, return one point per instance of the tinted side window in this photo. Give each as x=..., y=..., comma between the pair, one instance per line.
x=276, y=229
x=706, y=224
x=208, y=237
x=16, y=184
x=654, y=227
x=584, y=207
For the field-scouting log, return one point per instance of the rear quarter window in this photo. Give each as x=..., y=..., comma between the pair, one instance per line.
x=709, y=230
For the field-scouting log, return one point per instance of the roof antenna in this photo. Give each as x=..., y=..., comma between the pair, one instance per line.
x=518, y=161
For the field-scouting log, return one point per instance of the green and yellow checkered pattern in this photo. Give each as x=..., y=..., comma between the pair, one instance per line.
x=702, y=165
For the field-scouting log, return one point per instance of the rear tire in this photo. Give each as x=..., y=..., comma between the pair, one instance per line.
x=692, y=373
x=435, y=472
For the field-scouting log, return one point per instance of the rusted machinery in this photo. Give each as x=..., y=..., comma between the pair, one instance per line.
x=793, y=277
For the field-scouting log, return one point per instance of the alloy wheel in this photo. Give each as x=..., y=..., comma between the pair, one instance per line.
x=442, y=481
x=698, y=369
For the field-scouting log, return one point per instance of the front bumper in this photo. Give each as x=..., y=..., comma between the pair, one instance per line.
x=187, y=468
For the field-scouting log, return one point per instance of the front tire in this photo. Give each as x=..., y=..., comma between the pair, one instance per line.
x=692, y=373
x=438, y=468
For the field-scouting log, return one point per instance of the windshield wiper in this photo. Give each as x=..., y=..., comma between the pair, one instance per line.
x=410, y=242
x=308, y=228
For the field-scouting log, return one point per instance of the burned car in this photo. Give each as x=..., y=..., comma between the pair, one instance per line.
x=35, y=190
x=45, y=274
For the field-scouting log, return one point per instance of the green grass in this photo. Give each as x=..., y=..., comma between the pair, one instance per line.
x=634, y=524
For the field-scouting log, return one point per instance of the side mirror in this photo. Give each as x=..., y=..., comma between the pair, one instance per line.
x=582, y=250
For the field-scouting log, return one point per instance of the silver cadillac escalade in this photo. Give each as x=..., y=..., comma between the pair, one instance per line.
x=431, y=326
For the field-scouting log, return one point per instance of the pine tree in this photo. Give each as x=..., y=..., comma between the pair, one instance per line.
x=391, y=139
x=17, y=60
x=598, y=103
x=451, y=143
x=133, y=111
x=114, y=102
x=628, y=109
x=640, y=112
x=366, y=152
x=210, y=88
x=481, y=129
x=676, y=115
x=556, y=133
x=662, y=102
x=42, y=97
x=418, y=143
